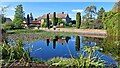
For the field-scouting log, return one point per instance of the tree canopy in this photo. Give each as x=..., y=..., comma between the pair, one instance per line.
x=19, y=16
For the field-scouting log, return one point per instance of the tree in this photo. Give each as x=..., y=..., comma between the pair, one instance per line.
x=100, y=14
x=90, y=14
x=78, y=19
x=2, y=14
x=116, y=7
x=48, y=23
x=91, y=10
x=19, y=16
x=3, y=19
x=31, y=16
x=28, y=20
x=54, y=19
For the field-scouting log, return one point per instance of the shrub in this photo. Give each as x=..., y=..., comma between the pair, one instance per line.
x=8, y=25
x=73, y=25
x=66, y=23
x=70, y=24
x=43, y=24
x=78, y=20
x=61, y=25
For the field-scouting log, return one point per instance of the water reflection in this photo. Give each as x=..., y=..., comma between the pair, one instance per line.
x=54, y=43
x=67, y=39
x=111, y=46
x=47, y=41
x=77, y=47
x=49, y=50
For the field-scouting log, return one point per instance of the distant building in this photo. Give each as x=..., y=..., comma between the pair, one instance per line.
x=8, y=20
x=63, y=16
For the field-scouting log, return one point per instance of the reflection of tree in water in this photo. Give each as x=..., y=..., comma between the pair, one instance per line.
x=77, y=47
x=87, y=40
x=54, y=43
x=111, y=45
x=56, y=37
x=67, y=39
x=48, y=41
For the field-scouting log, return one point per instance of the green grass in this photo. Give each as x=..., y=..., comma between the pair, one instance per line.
x=24, y=31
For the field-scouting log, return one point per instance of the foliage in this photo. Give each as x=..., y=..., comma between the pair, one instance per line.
x=28, y=34
x=111, y=46
x=78, y=20
x=60, y=21
x=24, y=31
x=38, y=61
x=2, y=19
x=73, y=25
x=11, y=53
x=28, y=20
x=91, y=10
x=100, y=14
x=70, y=24
x=43, y=24
x=31, y=16
x=45, y=20
x=8, y=25
x=66, y=23
x=19, y=16
x=116, y=7
x=48, y=23
x=54, y=19
x=110, y=22
x=89, y=18
x=2, y=14
x=90, y=60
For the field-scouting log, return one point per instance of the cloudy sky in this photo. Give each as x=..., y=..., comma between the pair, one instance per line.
x=40, y=8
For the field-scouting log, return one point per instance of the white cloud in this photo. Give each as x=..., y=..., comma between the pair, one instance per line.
x=12, y=9
x=77, y=10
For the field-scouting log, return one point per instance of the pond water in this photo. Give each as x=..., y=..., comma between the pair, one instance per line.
x=67, y=46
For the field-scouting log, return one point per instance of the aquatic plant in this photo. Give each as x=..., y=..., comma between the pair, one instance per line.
x=88, y=60
x=14, y=53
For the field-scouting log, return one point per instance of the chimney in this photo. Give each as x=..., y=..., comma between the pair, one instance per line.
x=62, y=12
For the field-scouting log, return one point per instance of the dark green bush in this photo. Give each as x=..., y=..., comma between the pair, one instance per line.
x=8, y=25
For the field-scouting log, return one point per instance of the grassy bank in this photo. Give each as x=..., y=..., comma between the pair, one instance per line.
x=31, y=35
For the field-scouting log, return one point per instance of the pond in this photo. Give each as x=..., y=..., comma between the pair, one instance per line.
x=69, y=46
